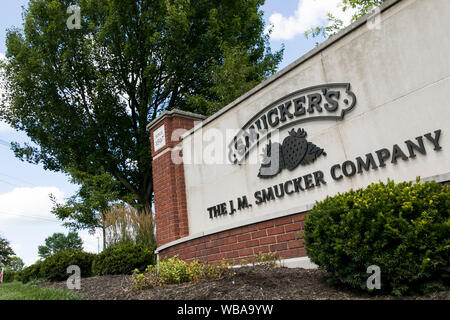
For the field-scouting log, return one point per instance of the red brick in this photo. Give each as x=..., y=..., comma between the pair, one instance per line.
x=239, y=245
x=219, y=242
x=268, y=240
x=225, y=248
x=212, y=251
x=293, y=227
x=231, y=255
x=266, y=224
x=299, y=217
x=296, y=244
x=278, y=247
x=259, y=234
x=251, y=243
x=276, y=230
x=285, y=237
x=244, y=237
x=284, y=220
x=245, y=252
x=291, y=253
x=261, y=249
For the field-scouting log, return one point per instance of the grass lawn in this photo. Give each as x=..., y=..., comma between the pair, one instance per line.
x=19, y=291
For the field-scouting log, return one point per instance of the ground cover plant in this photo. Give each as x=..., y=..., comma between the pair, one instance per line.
x=18, y=291
x=175, y=271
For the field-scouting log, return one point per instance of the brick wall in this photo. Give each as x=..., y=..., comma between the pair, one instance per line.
x=282, y=236
x=171, y=219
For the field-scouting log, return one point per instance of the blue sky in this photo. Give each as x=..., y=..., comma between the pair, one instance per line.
x=25, y=218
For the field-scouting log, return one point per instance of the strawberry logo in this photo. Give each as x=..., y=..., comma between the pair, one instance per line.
x=295, y=147
x=294, y=151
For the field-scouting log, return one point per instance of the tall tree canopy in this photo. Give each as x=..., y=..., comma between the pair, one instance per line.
x=60, y=242
x=6, y=252
x=84, y=96
x=15, y=264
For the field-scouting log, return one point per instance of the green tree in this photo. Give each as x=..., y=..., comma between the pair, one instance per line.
x=87, y=209
x=60, y=242
x=361, y=8
x=6, y=252
x=15, y=264
x=84, y=96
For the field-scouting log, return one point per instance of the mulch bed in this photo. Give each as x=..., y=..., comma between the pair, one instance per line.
x=248, y=283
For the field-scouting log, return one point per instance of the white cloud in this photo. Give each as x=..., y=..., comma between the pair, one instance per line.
x=90, y=242
x=4, y=127
x=309, y=13
x=26, y=220
x=28, y=206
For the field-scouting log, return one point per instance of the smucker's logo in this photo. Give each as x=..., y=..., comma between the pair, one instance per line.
x=294, y=151
x=323, y=102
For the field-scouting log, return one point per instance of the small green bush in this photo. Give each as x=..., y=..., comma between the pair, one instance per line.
x=176, y=271
x=8, y=276
x=402, y=228
x=54, y=268
x=123, y=259
x=32, y=272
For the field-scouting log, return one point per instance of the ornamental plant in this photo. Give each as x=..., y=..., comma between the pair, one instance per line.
x=123, y=259
x=32, y=272
x=54, y=268
x=175, y=271
x=402, y=228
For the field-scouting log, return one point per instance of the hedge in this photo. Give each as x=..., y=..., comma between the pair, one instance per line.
x=402, y=228
x=54, y=268
x=123, y=259
x=8, y=276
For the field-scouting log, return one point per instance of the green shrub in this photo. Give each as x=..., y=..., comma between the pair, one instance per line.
x=402, y=228
x=54, y=268
x=32, y=272
x=9, y=275
x=123, y=259
x=176, y=271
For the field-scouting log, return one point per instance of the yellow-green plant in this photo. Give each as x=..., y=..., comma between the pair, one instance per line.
x=267, y=259
x=125, y=224
x=175, y=271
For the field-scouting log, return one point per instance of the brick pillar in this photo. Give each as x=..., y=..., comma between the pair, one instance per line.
x=171, y=219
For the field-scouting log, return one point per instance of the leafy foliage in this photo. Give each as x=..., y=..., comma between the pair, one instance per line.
x=123, y=259
x=6, y=252
x=175, y=271
x=84, y=209
x=85, y=96
x=8, y=276
x=30, y=273
x=15, y=264
x=361, y=7
x=54, y=268
x=59, y=242
x=402, y=228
